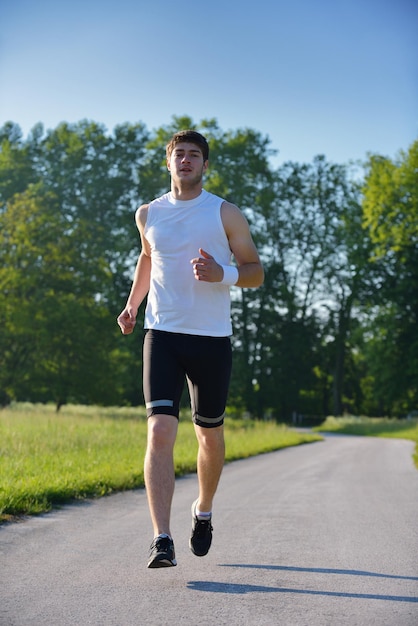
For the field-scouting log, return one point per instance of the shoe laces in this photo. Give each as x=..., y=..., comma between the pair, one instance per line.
x=161, y=543
x=202, y=526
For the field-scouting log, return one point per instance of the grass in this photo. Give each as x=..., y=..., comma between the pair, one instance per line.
x=374, y=427
x=49, y=458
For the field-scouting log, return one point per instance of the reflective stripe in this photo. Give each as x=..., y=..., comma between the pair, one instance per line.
x=151, y=405
x=209, y=420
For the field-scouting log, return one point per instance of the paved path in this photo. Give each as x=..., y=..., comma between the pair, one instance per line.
x=322, y=534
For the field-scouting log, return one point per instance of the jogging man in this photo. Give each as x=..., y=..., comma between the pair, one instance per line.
x=188, y=237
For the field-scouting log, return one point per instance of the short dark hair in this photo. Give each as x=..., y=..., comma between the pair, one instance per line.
x=188, y=136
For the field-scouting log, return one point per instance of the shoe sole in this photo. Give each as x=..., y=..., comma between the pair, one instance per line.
x=194, y=552
x=162, y=563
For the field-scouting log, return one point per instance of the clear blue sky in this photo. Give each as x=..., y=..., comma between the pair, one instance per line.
x=316, y=76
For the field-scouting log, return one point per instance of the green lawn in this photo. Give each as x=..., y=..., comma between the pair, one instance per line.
x=48, y=458
x=373, y=427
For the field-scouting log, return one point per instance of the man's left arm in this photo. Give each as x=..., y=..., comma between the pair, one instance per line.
x=250, y=269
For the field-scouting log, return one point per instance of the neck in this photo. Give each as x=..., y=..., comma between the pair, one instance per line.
x=185, y=192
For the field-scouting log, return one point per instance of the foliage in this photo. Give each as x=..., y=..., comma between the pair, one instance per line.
x=46, y=460
x=390, y=208
x=391, y=201
x=333, y=328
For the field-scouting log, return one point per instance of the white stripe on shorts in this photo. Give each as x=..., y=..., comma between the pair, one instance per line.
x=154, y=403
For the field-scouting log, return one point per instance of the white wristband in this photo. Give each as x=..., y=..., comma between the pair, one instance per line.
x=231, y=275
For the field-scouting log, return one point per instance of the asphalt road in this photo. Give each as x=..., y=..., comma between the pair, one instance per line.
x=321, y=534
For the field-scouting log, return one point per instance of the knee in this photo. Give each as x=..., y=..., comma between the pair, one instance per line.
x=162, y=431
x=210, y=438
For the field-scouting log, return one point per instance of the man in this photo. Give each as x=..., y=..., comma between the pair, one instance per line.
x=188, y=237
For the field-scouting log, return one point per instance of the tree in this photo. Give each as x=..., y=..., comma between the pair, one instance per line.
x=49, y=315
x=390, y=212
x=390, y=205
x=332, y=328
x=314, y=280
x=16, y=166
x=75, y=233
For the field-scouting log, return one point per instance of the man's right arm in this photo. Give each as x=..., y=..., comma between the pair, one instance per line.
x=141, y=281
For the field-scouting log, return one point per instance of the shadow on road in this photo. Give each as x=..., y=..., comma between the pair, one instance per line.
x=232, y=588
x=317, y=570
x=219, y=587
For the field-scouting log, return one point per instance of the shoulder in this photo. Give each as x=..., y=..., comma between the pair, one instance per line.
x=227, y=208
x=141, y=216
x=232, y=216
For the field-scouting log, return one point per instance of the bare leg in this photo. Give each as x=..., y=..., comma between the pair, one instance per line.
x=210, y=461
x=159, y=470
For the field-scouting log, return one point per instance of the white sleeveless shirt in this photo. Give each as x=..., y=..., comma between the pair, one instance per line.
x=177, y=302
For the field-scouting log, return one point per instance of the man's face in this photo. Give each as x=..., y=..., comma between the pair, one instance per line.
x=186, y=163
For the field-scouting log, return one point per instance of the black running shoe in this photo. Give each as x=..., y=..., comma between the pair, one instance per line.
x=162, y=553
x=201, y=537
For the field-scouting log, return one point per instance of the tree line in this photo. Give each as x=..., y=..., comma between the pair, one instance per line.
x=332, y=330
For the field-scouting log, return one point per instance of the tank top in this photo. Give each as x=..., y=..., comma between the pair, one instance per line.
x=177, y=302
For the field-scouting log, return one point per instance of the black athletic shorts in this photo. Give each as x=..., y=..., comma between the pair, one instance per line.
x=205, y=362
